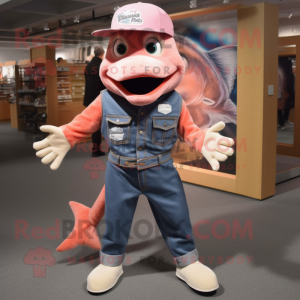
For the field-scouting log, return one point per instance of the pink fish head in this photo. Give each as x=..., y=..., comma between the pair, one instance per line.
x=142, y=61
x=141, y=66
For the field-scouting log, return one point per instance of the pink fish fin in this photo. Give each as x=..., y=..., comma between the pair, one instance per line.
x=84, y=231
x=97, y=210
x=226, y=114
x=225, y=59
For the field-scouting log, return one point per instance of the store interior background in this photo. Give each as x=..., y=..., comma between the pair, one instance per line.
x=34, y=14
x=79, y=18
x=275, y=269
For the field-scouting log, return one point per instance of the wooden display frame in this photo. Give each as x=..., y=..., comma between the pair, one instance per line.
x=292, y=149
x=256, y=111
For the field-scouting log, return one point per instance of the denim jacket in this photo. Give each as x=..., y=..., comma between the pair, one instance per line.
x=142, y=135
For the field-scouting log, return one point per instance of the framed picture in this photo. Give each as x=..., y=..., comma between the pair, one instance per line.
x=251, y=113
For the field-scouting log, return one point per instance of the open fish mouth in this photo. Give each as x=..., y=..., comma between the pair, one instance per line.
x=141, y=85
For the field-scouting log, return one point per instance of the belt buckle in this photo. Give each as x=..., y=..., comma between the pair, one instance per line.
x=140, y=162
x=128, y=163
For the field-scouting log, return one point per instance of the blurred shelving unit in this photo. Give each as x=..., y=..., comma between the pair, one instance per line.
x=36, y=94
x=8, y=73
x=70, y=90
x=32, y=97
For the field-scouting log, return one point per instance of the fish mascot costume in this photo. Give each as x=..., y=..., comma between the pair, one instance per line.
x=141, y=116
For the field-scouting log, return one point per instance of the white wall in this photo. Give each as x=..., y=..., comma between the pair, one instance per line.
x=13, y=54
x=65, y=54
x=73, y=54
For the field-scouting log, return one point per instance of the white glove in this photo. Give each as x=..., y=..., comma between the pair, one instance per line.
x=216, y=147
x=54, y=147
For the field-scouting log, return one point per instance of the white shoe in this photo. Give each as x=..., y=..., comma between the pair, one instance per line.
x=103, y=278
x=198, y=277
x=283, y=127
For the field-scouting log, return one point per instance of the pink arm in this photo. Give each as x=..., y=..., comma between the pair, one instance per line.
x=85, y=123
x=191, y=133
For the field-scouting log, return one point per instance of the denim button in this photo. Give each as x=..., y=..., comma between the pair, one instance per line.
x=141, y=131
x=140, y=148
x=142, y=112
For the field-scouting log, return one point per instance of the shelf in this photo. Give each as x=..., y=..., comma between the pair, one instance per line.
x=4, y=79
x=62, y=101
x=32, y=120
x=64, y=97
x=32, y=92
x=34, y=86
x=28, y=80
x=73, y=77
x=78, y=84
x=32, y=65
x=23, y=104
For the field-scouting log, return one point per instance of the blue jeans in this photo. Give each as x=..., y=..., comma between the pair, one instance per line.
x=164, y=190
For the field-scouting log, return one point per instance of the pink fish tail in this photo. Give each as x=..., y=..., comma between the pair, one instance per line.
x=85, y=227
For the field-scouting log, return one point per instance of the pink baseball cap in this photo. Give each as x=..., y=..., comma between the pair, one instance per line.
x=141, y=17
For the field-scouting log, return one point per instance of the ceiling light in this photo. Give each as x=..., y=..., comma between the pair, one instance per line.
x=46, y=26
x=290, y=15
x=76, y=19
x=193, y=3
x=226, y=1
x=64, y=21
x=116, y=8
